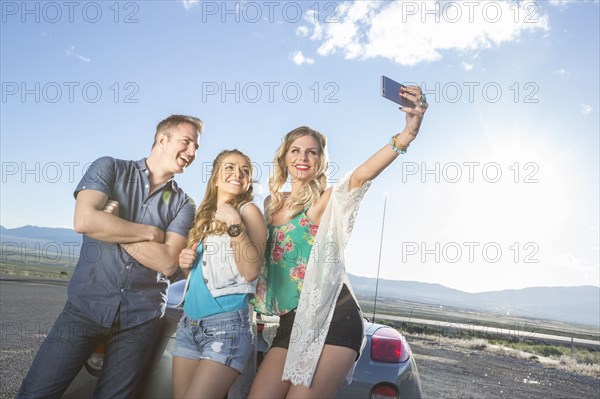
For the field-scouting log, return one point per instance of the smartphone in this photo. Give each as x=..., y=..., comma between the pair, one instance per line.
x=390, y=89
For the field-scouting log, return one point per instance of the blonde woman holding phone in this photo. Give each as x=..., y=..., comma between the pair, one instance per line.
x=304, y=281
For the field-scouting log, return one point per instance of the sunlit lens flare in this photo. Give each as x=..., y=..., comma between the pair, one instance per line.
x=516, y=191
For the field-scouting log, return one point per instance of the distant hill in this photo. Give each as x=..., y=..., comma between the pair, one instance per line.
x=574, y=304
x=568, y=304
x=40, y=245
x=53, y=234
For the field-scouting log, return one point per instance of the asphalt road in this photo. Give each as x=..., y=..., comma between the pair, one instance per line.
x=28, y=307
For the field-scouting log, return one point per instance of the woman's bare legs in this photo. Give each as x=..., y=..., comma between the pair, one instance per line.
x=201, y=378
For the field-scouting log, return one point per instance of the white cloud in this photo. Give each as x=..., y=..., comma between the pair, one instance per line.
x=71, y=52
x=299, y=58
x=412, y=32
x=561, y=3
x=467, y=66
x=311, y=17
x=302, y=31
x=586, y=109
x=562, y=72
x=187, y=4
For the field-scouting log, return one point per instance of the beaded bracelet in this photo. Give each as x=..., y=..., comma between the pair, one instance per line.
x=399, y=151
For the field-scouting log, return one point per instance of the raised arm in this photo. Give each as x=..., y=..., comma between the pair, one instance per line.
x=91, y=220
x=373, y=166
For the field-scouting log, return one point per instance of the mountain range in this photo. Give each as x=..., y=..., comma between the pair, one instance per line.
x=568, y=304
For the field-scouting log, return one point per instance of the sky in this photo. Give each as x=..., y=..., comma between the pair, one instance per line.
x=500, y=190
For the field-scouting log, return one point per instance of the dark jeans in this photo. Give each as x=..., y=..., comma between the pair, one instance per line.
x=73, y=339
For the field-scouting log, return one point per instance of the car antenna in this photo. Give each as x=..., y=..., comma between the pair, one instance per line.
x=379, y=261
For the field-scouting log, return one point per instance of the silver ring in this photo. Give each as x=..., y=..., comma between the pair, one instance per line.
x=423, y=100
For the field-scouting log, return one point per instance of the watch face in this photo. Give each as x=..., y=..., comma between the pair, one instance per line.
x=234, y=230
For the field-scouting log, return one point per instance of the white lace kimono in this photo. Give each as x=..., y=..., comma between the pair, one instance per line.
x=323, y=279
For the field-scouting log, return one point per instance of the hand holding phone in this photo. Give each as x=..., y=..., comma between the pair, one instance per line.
x=390, y=89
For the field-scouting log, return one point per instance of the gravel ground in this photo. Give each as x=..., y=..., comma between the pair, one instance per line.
x=451, y=371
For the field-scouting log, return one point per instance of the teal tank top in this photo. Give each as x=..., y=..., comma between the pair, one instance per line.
x=287, y=253
x=200, y=303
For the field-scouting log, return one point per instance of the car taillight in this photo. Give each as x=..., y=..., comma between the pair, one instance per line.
x=96, y=361
x=384, y=391
x=387, y=346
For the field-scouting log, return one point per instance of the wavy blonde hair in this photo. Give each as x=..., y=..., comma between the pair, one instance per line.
x=204, y=223
x=310, y=192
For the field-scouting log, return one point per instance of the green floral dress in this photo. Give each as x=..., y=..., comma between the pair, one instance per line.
x=287, y=253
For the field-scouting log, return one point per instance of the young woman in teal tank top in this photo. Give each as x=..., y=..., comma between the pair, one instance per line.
x=222, y=261
x=320, y=327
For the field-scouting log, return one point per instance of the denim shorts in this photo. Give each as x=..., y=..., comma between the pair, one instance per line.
x=225, y=338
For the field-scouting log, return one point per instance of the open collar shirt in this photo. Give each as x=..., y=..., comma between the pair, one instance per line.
x=107, y=279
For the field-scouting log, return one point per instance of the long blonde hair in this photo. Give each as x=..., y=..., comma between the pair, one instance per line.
x=204, y=223
x=309, y=193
